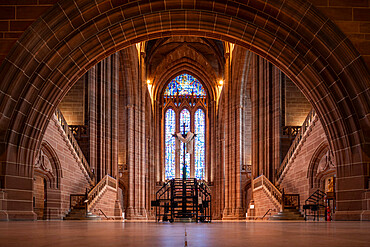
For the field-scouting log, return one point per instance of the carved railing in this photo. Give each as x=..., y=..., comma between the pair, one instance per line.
x=305, y=126
x=79, y=131
x=284, y=200
x=274, y=192
x=98, y=189
x=74, y=143
x=86, y=200
x=77, y=201
x=291, y=131
x=291, y=201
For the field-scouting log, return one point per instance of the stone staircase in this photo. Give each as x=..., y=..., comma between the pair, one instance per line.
x=81, y=205
x=288, y=204
x=288, y=214
x=79, y=212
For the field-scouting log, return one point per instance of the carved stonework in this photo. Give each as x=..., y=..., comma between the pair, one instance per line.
x=325, y=163
x=43, y=163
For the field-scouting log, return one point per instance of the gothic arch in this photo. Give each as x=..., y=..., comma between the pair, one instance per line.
x=48, y=155
x=61, y=46
x=313, y=174
x=184, y=59
x=179, y=53
x=48, y=168
x=182, y=68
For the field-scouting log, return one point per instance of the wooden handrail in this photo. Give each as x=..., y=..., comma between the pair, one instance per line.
x=74, y=143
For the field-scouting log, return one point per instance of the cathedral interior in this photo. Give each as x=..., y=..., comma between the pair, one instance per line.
x=252, y=113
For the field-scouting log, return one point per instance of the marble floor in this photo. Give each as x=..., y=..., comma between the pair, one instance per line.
x=104, y=233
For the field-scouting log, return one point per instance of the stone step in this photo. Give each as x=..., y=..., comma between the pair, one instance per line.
x=80, y=214
x=82, y=218
x=288, y=214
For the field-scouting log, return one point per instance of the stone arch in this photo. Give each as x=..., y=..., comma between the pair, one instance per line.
x=61, y=46
x=48, y=155
x=184, y=59
x=320, y=166
x=48, y=168
x=188, y=68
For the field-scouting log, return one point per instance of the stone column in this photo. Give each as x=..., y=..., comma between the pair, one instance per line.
x=232, y=111
x=265, y=100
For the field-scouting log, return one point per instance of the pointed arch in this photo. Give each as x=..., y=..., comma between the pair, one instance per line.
x=48, y=154
x=293, y=35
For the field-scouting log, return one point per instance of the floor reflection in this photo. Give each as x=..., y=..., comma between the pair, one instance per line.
x=62, y=233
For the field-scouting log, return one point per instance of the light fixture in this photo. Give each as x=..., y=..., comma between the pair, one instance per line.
x=148, y=82
x=221, y=82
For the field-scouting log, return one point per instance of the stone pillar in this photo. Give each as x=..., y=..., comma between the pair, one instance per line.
x=137, y=165
x=266, y=118
x=103, y=117
x=233, y=197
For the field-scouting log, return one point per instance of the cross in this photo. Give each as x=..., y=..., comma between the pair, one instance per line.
x=183, y=156
x=183, y=129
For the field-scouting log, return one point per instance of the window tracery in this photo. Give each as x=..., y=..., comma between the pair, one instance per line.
x=184, y=101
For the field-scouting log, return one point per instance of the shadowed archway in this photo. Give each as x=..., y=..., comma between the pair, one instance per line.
x=68, y=40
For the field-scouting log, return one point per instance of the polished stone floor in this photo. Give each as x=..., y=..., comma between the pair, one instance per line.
x=62, y=233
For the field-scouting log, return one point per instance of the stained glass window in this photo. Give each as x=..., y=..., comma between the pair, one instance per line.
x=199, y=145
x=195, y=121
x=185, y=84
x=184, y=118
x=170, y=124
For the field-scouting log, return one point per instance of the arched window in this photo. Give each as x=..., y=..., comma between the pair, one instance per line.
x=170, y=148
x=184, y=102
x=184, y=121
x=185, y=84
x=199, y=152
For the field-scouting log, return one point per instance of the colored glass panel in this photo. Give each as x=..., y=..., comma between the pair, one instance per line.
x=170, y=146
x=185, y=84
x=184, y=118
x=199, y=145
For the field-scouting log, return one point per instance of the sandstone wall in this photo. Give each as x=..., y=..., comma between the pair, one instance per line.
x=74, y=178
x=296, y=179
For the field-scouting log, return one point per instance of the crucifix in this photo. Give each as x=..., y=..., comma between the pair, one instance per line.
x=186, y=139
x=184, y=136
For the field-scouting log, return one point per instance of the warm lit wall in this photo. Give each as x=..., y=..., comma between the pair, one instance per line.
x=73, y=104
x=296, y=105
